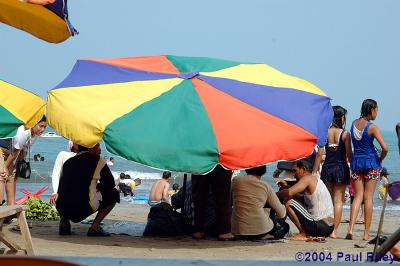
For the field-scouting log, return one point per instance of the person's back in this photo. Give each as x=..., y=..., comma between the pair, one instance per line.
x=156, y=192
x=364, y=154
x=249, y=216
x=78, y=183
x=159, y=190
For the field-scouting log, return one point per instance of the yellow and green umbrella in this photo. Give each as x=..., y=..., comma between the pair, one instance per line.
x=18, y=107
x=189, y=114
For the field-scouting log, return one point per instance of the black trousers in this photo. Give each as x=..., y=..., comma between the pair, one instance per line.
x=219, y=181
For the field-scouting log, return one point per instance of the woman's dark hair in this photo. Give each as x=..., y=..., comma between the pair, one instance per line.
x=338, y=113
x=367, y=106
x=258, y=171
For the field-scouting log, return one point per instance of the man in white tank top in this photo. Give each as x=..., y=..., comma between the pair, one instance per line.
x=313, y=215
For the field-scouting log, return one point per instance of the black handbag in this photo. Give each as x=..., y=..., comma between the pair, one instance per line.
x=24, y=168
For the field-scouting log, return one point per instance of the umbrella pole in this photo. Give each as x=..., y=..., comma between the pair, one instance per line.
x=184, y=195
x=390, y=242
x=376, y=258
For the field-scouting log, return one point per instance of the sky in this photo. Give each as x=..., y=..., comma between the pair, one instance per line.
x=349, y=49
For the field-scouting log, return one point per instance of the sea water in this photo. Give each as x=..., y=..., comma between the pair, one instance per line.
x=50, y=147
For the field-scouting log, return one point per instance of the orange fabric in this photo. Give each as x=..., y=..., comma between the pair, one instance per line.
x=159, y=64
x=244, y=133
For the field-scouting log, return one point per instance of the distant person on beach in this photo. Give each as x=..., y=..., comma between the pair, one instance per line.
x=8, y=163
x=335, y=170
x=111, y=161
x=86, y=186
x=62, y=157
x=127, y=185
x=175, y=189
x=159, y=190
x=315, y=217
x=366, y=164
x=254, y=201
x=219, y=181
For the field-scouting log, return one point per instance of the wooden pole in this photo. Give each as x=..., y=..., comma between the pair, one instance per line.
x=375, y=257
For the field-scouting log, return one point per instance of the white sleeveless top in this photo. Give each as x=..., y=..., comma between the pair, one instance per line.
x=319, y=204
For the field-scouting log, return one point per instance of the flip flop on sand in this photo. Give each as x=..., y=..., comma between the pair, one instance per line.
x=16, y=227
x=349, y=237
x=362, y=244
x=318, y=239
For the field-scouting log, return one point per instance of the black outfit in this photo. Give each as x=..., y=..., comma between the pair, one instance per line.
x=219, y=180
x=335, y=168
x=311, y=227
x=78, y=183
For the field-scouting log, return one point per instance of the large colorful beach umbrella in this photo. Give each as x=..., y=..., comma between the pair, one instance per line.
x=188, y=114
x=47, y=22
x=18, y=107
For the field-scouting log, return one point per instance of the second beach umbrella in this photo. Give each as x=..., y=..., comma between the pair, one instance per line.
x=189, y=114
x=18, y=107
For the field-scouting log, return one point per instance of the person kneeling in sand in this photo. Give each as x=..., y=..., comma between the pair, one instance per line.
x=315, y=220
x=159, y=190
x=86, y=186
x=251, y=218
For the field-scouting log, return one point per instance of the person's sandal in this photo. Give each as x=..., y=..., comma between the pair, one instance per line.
x=99, y=232
x=349, y=237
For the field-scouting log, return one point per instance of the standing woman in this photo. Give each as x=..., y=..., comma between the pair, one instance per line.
x=335, y=170
x=21, y=143
x=366, y=164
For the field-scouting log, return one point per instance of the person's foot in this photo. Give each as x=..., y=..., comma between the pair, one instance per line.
x=268, y=237
x=333, y=235
x=366, y=236
x=198, y=235
x=64, y=227
x=226, y=237
x=98, y=232
x=298, y=237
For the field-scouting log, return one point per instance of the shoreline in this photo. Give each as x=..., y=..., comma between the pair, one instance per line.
x=47, y=242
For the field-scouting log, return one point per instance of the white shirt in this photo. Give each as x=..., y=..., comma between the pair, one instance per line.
x=23, y=139
x=62, y=157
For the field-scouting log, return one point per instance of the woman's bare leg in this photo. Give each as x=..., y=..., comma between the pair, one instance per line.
x=10, y=191
x=338, y=200
x=355, y=206
x=369, y=191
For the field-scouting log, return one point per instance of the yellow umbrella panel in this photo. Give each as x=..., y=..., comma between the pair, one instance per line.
x=18, y=107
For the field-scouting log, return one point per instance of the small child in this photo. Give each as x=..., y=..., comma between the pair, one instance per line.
x=127, y=185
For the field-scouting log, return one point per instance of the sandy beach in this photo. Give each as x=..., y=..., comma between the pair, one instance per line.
x=47, y=242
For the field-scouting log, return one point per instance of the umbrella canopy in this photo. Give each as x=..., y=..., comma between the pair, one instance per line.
x=188, y=114
x=49, y=22
x=18, y=107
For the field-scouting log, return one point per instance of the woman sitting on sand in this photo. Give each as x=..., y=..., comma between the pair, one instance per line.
x=251, y=219
x=366, y=164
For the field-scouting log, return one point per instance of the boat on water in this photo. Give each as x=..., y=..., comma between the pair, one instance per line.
x=50, y=135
